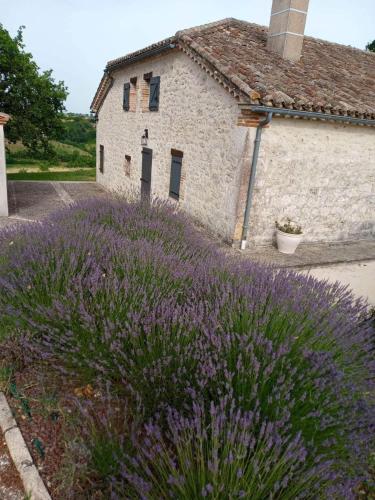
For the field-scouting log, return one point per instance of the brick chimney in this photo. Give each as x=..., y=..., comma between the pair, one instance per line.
x=287, y=27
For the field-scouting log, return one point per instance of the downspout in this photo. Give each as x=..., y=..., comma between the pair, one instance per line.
x=250, y=189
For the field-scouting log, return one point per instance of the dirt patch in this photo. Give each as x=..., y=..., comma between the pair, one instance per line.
x=43, y=402
x=10, y=482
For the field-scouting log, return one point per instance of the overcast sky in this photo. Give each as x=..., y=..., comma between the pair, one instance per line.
x=77, y=37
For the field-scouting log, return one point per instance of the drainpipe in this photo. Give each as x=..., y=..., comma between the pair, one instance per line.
x=250, y=189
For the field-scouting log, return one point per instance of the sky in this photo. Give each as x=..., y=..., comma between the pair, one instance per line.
x=75, y=38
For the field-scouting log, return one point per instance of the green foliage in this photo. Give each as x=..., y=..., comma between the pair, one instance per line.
x=371, y=46
x=6, y=374
x=77, y=129
x=288, y=227
x=32, y=98
x=75, y=147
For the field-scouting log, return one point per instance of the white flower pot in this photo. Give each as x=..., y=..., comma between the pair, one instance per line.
x=287, y=242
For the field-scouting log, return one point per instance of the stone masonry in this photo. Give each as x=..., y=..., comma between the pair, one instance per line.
x=320, y=174
x=196, y=116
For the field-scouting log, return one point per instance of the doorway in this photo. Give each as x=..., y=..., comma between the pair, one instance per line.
x=146, y=174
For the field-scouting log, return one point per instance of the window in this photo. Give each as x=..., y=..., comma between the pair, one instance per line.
x=129, y=100
x=150, y=92
x=101, y=159
x=175, y=180
x=126, y=97
x=154, y=93
x=127, y=161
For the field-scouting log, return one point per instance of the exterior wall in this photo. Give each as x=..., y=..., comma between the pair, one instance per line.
x=3, y=176
x=196, y=116
x=321, y=175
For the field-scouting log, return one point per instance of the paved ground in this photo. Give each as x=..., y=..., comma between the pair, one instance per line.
x=351, y=263
x=360, y=276
x=318, y=254
x=29, y=201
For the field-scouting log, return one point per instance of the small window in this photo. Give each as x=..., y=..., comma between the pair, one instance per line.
x=101, y=159
x=127, y=164
x=154, y=93
x=126, y=97
x=175, y=180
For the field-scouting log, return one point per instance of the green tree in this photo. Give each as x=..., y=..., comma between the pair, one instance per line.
x=371, y=46
x=32, y=98
x=78, y=130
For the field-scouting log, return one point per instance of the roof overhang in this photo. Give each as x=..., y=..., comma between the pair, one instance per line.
x=309, y=115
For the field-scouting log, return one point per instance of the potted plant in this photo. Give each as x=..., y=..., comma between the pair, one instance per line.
x=288, y=236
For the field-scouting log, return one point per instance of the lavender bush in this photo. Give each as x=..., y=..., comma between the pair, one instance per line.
x=242, y=381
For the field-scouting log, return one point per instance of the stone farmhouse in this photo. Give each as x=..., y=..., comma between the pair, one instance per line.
x=241, y=125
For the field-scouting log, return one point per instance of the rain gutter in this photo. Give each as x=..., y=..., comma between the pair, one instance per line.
x=309, y=115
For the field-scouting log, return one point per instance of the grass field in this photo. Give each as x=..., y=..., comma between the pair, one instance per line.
x=71, y=159
x=88, y=174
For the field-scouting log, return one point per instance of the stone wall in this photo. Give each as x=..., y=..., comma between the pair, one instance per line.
x=196, y=116
x=319, y=174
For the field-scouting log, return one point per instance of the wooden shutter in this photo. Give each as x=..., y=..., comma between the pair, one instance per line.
x=101, y=159
x=146, y=164
x=154, y=93
x=126, y=97
x=175, y=181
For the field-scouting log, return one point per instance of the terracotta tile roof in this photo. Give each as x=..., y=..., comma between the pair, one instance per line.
x=133, y=55
x=329, y=78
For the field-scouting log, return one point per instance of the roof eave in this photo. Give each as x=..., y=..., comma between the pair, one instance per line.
x=107, y=80
x=310, y=115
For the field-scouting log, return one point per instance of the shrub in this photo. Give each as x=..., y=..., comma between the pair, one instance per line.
x=240, y=379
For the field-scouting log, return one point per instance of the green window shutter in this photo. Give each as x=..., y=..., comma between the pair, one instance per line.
x=101, y=159
x=154, y=93
x=126, y=98
x=175, y=180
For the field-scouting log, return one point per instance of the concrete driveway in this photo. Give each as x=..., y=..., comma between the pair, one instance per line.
x=350, y=263
x=359, y=276
x=30, y=201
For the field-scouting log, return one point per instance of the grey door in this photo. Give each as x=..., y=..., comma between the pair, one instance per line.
x=146, y=174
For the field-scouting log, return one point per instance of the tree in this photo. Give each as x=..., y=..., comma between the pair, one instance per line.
x=32, y=98
x=78, y=129
x=371, y=46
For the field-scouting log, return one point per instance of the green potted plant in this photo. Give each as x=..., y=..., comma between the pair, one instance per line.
x=288, y=236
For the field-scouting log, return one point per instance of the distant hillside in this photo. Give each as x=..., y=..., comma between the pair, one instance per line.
x=75, y=147
x=78, y=130
x=71, y=158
